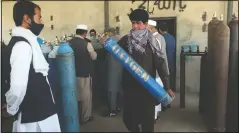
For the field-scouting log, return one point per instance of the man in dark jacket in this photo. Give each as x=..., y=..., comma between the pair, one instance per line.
x=84, y=54
x=114, y=79
x=170, y=48
x=141, y=45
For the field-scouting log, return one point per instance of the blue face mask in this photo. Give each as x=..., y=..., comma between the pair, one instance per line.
x=40, y=41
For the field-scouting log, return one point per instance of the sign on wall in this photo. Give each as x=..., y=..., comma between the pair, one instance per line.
x=161, y=4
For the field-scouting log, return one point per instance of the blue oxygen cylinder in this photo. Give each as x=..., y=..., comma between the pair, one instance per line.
x=54, y=82
x=138, y=72
x=52, y=65
x=44, y=47
x=40, y=41
x=67, y=81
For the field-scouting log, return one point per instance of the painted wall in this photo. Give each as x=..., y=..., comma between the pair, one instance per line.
x=66, y=15
x=235, y=6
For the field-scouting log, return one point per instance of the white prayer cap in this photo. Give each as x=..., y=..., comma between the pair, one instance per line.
x=81, y=26
x=152, y=23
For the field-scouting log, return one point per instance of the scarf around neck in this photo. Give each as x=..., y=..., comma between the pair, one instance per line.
x=137, y=40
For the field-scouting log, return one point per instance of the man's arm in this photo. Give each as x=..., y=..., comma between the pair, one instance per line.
x=161, y=63
x=92, y=52
x=163, y=49
x=162, y=69
x=20, y=61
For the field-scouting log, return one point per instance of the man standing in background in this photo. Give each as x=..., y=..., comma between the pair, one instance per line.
x=162, y=45
x=170, y=48
x=114, y=79
x=84, y=56
x=100, y=71
x=95, y=42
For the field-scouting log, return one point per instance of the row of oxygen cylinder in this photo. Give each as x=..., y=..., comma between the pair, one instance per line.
x=219, y=77
x=62, y=78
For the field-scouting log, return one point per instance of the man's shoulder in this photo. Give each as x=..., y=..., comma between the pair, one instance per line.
x=161, y=37
x=123, y=41
x=21, y=47
x=76, y=39
x=169, y=35
x=17, y=41
x=124, y=37
x=87, y=40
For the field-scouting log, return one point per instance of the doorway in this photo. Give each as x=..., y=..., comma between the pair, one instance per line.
x=172, y=29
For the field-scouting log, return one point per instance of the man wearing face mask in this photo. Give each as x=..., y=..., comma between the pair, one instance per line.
x=141, y=45
x=94, y=40
x=100, y=69
x=29, y=98
x=97, y=69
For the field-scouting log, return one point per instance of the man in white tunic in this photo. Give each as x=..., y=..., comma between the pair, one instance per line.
x=162, y=45
x=29, y=98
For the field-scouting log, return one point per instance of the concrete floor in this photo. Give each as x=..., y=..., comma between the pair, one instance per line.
x=171, y=120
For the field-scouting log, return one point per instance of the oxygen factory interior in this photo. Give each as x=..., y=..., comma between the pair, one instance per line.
x=201, y=48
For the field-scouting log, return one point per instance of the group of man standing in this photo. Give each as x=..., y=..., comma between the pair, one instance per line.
x=98, y=73
x=27, y=70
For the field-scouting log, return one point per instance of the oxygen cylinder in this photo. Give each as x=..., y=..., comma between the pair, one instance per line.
x=211, y=39
x=67, y=79
x=211, y=27
x=219, y=56
x=232, y=94
x=52, y=64
x=40, y=41
x=54, y=80
x=44, y=47
x=138, y=72
x=233, y=25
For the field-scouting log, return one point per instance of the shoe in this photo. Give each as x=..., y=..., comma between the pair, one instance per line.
x=169, y=106
x=164, y=108
x=118, y=110
x=157, y=118
x=91, y=118
x=110, y=113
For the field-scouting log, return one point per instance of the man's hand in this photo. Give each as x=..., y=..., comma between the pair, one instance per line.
x=171, y=93
x=102, y=39
x=4, y=111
